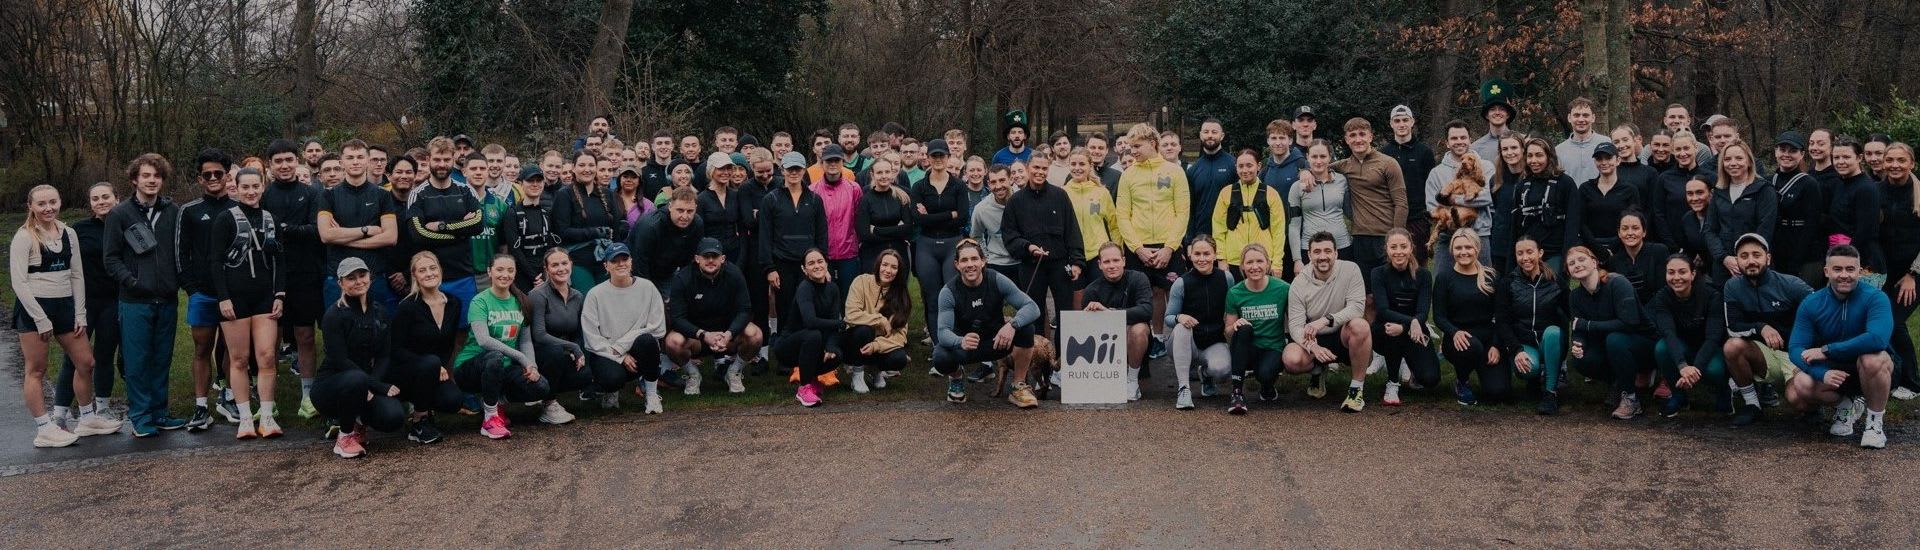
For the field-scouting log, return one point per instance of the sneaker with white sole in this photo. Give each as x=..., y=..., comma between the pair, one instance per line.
x=1903, y=394
x=1846, y=414
x=880, y=378
x=1183, y=399
x=1133, y=389
x=956, y=391
x=1874, y=436
x=555, y=414
x=306, y=407
x=1379, y=364
x=94, y=423
x=268, y=428
x=653, y=403
x=859, y=379
x=691, y=379
x=1391, y=397
x=736, y=383
x=51, y=435
x=495, y=427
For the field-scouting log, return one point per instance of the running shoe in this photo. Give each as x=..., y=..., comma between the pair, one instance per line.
x=1903, y=393
x=332, y=431
x=1183, y=399
x=590, y=395
x=736, y=382
x=1208, y=388
x=1156, y=348
x=1463, y=394
x=555, y=414
x=1355, y=401
x=202, y=419
x=470, y=405
x=1662, y=391
x=1629, y=407
x=981, y=373
x=227, y=408
x=350, y=445
x=1747, y=415
x=495, y=428
x=1549, y=404
x=306, y=407
x=267, y=427
x=1379, y=364
x=94, y=423
x=1316, y=385
x=1874, y=436
x=1769, y=397
x=144, y=430
x=859, y=381
x=1272, y=393
x=808, y=395
x=1846, y=414
x=956, y=391
x=610, y=400
x=51, y=435
x=1133, y=388
x=169, y=423
x=1675, y=403
x=1391, y=397
x=880, y=380
x=246, y=430
x=1022, y=396
x=1238, y=405
x=934, y=372
x=692, y=379
x=425, y=432
x=653, y=403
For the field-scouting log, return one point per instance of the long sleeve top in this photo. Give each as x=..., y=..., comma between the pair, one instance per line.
x=1153, y=205
x=1325, y=208
x=821, y=309
x=946, y=208
x=977, y=309
x=1340, y=298
x=1610, y=307
x=196, y=228
x=864, y=301
x=1525, y=307
x=701, y=303
x=1131, y=294
x=1756, y=302
x=449, y=242
x=841, y=203
x=1799, y=234
x=1458, y=303
x=884, y=220
x=296, y=208
x=1209, y=173
x=583, y=212
x=1687, y=323
x=39, y=270
x=1855, y=197
x=1728, y=217
x=357, y=340
x=556, y=317
x=720, y=217
x=985, y=227
x=1846, y=327
x=416, y=334
x=257, y=268
x=1045, y=218
x=1250, y=212
x=1093, y=209
x=100, y=287
x=1379, y=192
x=1599, y=212
x=789, y=226
x=613, y=318
x=1543, y=210
x=1401, y=297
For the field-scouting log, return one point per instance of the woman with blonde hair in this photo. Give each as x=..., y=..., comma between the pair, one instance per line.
x=425, y=334
x=1463, y=310
x=1742, y=203
x=50, y=305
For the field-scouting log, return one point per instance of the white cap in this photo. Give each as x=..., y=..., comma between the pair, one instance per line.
x=1399, y=111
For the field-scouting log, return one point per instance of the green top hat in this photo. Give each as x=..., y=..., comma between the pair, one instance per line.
x=1016, y=119
x=1496, y=93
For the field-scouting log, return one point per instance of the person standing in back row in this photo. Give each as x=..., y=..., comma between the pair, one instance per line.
x=1377, y=194
x=140, y=255
x=1416, y=161
x=1042, y=232
x=295, y=207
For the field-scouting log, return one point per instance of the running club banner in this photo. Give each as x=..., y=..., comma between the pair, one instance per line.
x=1093, y=357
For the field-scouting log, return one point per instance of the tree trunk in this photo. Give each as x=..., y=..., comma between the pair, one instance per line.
x=1619, y=90
x=1444, y=79
x=306, y=65
x=237, y=36
x=1595, y=61
x=603, y=63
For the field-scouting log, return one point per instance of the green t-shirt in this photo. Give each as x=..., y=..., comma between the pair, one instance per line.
x=501, y=316
x=1266, y=310
x=485, y=245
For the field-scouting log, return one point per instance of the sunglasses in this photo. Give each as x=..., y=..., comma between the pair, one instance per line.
x=213, y=174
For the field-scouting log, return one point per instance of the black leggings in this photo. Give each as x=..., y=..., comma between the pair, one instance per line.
x=1249, y=357
x=420, y=384
x=1424, y=363
x=103, y=329
x=342, y=396
x=1496, y=381
x=1618, y=357
x=853, y=338
x=805, y=349
x=495, y=377
x=558, y=368
x=790, y=280
x=1903, y=352
x=611, y=375
x=933, y=266
x=1052, y=277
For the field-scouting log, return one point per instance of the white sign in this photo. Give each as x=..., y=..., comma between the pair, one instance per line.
x=1093, y=357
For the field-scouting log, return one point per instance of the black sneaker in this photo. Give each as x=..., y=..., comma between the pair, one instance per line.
x=202, y=419
x=1269, y=393
x=758, y=367
x=981, y=373
x=1746, y=416
x=1549, y=404
x=1769, y=397
x=424, y=432
x=332, y=432
x=1239, y=404
x=1675, y=403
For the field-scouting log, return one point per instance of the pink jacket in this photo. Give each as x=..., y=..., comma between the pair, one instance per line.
x=841, y=202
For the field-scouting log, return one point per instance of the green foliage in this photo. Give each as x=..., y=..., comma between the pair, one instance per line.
x=1247, y=62
x=1899, y=120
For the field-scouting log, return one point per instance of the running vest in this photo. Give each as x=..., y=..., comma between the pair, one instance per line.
x=52, y=261
x=1204, y=297
x=1260, y=210
x=977, y=309
x=246, y=240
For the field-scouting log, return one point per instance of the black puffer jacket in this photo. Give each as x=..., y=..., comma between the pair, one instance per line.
x=1527, y=306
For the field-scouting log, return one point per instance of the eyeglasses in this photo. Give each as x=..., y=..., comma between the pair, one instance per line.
x=213, y=174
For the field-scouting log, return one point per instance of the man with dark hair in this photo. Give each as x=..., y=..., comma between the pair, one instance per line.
x=358, y=220
x=1209, y=173
x=140, y=254
x=1326, y=321
x=1576, y=152
x=295, y=207
x=377, y=156
x=1016, y=149
x=710, y=314
x=196, y=255
x=726, y=140
x=1098, y=146
x=1304, y=126
x=1459, y=146
x=1284, y=160
x=1376, y=192
x=1761, y=309
x=657, y=173
x=1840, y=344
x=690, y=152
x=849, y=141
x=1416, y=161
x=311, y=153
x=1042, y=233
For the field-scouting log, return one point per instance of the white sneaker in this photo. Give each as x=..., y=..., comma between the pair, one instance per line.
x=736, y=383
x=859, y=379
x=1379, y=364
x=653, y=403
x=50, y=435
x=1406, y=373
x=610, y=400
x=880, y=381
x=555, y=414
x=1183, y=400
x=692, y=379
x=1133, y=390
x=1903, y=394
x=95, y=424
x=1054, y=378
x=1874, y=436
x=1846, y=414
x=1392, y=396
x=935, y=372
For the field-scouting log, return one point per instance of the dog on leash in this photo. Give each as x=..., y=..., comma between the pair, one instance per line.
x=1044, y=363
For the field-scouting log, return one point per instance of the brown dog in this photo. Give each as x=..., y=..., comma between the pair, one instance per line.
x=1044, y=363
x=1447, y=217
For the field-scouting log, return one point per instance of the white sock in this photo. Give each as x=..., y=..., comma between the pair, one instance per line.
x=89, y=408
x=1356, y=384
x=1748, y=395
x=306, y=387
x=489, y=411
x=733, y=367
x=60, y=412
x=1875, y=417
x=42, y=420
x=651, y=387
x=266, y=408
x=1133, y=375
x=200, y=402
x=1393, y=385
x=246, y=410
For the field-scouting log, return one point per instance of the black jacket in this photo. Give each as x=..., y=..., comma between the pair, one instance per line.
x=449, y=243
x=659, y=248
x=1401, y=298
x=146, y=274
x=1646, y=270
x=1672, y=204
x=526, y=232
x=946, y=209
x=821, y=308
x=1416, y=161
x=1693, y=323
x=1132, y=294
x=881, y=220
x=720, y=216
x=1799, y=231
x=698, y=303
x=1899, y=227
x=1543, y=209
x=102, y=292
x=1728, y=217
x=1526, y=307
x=788, y=227
x=1600, y=213
x=1611, y=307
x=1045, y=218
x=360, y=342
x=584, y=213
x=294, y=206
x=196, y=249
x=1853, y=203
x=415, y=335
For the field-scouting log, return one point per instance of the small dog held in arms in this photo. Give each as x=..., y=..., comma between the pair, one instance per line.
x=1449, y=215
x=1044, y=363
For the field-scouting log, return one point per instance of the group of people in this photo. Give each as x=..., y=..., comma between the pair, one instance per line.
x=448, y=279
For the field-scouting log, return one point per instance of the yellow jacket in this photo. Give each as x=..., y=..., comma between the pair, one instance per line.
x=1093, y=208
x=1153, y=204
x=863, y=308
x=1230, y=241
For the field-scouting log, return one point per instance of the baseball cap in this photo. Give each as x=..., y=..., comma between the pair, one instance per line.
x=719, y=160
x=1752, y=238
x=793, y=159
x=708, y=247
x=462, y=138
x=937, y=147
x=628, y=169
x=1400, y=111
x=531, y=171
x=1712, y=119
x=348, y=266
x=1605, y=148
x=614, y=250
x=833, y=152
x=1303, y=111
x=1792, y=139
